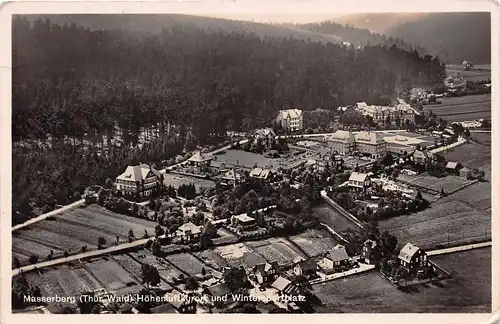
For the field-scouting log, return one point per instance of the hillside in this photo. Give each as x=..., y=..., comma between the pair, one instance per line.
x=153, y=24
x=436, y=32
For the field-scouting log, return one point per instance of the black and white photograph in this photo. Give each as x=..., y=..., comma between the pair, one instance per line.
x=221, y=163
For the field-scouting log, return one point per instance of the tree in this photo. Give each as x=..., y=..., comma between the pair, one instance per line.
x=191, y=283
x=131, y=235
x=145, y=235
x=203, y=272
x=17, y=264
x=101, y=241
x=33, y=259
x=388, y=159
x=235, y=278
x=156, y=248
x=108, y=184
x=159, y=231
x=150, y=275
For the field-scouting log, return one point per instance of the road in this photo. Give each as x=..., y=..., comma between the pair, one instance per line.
x=459, y=248
x=80, y=256
x=459, y=142
x=51, y=213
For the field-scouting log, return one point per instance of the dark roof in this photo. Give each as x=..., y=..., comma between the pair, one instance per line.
x=307, y=265
x=163, y=309
x=219, y=290
x=337, y=254
x=264, y=268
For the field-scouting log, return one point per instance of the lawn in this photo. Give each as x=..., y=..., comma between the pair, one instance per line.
x=186, y=263
x=278, y=250
x=176, y=180
x=447, y=221
x=314, y=241
x=468, y=291
x=449, y=183
x=249, y=159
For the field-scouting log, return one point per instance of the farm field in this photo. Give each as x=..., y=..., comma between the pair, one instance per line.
x=167, y=271
x=128, y=263
x=175, y=180
x=468, y=291
x=483, y=138
x=463, y=108
x=449, y=183
x=477, y=195
x=187, y=263
x=472, y=155
x=110, y=274
x=212, y=259
x=332, y=218
x=483, y=73
x=275, y=249
x=447, y=221
x=314, y=241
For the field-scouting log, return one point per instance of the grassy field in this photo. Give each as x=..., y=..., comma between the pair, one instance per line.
x=166, y=270
x=448, y=221
x=249, y=159
x=482, y=73
x=278, y=250
x=212, y=259
x=73, y=229
x=449, y=183
x=468, y=291
x=463, y=108
x=332, y=218
x=176, y=180
x=314, y=241
x=472, y=155
x=110, y=274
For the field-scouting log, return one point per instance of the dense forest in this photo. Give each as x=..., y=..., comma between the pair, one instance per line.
x=359, y=36
x=73, y=82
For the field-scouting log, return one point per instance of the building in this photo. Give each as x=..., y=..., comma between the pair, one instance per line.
x=359, y=181
x=262, y=173
x=452, y=167
x=217, y=295
x=285, y=286
x=182, y=303
x=167, y=308
x=371, y=252
x=464, y=172
x=291, y=119
x=342, y=142
x=244, y=222
x=328, y=160
x=412, y=258
x=200, y=162
x=467, y=65
x=335, y=260
x=139, y=181
x=422, y=157
x=370, y=143
x=383, y=115
x=306, y=268
x=265, y=272
x=188, y=233
x=233, y=177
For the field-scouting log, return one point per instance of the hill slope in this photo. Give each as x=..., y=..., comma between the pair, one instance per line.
x=378, y=22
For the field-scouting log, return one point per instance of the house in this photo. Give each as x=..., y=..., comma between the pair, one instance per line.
x=182, y=303
x=244, y=222
x=262, y=173
x=291, y=119
x=306, y=268
x=167, y=308
x=200, y=162
x=452, y=167
x=466, y=65
x=217, y=295
x=285, y=286
x=217, y=167
x=422, y=157
x=335, y=260
x=265, y=272
x=371, y=252
x=412, y=258
x=233, y=177
x=252, y=259
x=342, y=142
x=359, y=181
x=464, y=172
x=328, y=160
x=188, y=233
x=370, y=143
x=139, y=181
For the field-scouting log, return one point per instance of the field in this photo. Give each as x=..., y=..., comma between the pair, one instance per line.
x=278, y=250
x=167, y=271
x=332, y=218
x=110, y=274
x=171, y=179
x=73, y=229
x=483, y=73
x=468, y=291
x=449, y=183
x=314, y=242
x=463, y=108
x=249, y=159
x=448, y=221
x=472, y=155
x=186, y=263
x=212, y=259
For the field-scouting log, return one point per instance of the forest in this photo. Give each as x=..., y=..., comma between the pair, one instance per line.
x=70, y=82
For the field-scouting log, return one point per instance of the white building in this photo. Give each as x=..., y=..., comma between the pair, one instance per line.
x=342, y=141
x=291, y=119
x=370, y=143
x=359, y=181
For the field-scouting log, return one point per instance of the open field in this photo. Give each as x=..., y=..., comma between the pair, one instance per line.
x=212, y=259
x=166, y=270
x=477, y=195
x=187, y=263
x=314, y=241
x=110, y=274
x=249, y=159
x=468, y=291
x=463, y=108
x=472, y=155
x=73, y=229
x=449, y=183
x=175, y=180
x=447, y=221
x=483, y=138
x=332, y=218
x=129, y=264
x=483, y=73
x=275, y=249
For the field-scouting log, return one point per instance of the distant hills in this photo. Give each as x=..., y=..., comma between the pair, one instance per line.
x=453, y=36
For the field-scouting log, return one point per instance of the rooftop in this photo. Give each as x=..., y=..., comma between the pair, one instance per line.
x=341, y=135
x=369, y=137
x=338, y=253
x=281, y=283
x=190, y=227
x=357, y=176
x=138, y=173
x=290, y=113
x=200, y=157
x=407, y=252
x=244, y=218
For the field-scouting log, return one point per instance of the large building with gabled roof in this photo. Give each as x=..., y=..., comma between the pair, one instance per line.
x=139, y=181
x=291, y=119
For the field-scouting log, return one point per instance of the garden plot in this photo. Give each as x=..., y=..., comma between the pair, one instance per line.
x=128, y=263
x=110, y=274
x=34, y=279
x=186, y=263
x=49, y=240
x=53, y=279
x=449, y=222
x=212, y=259
x=176, y=180
x=314, y=242
x=166, y=270
x=233, y=251
x=87, y=279
x=276, y=250
x=449, y=183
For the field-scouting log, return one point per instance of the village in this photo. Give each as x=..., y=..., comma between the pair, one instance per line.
x=234, y=228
